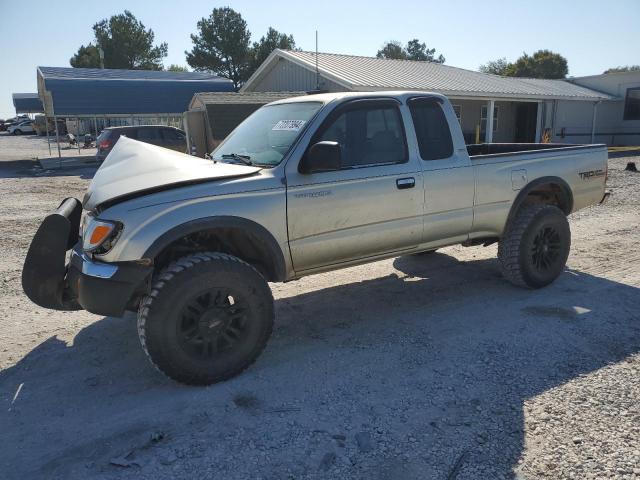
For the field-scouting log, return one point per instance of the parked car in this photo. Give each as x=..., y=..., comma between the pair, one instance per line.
x=3, y=126
x=22, y=127
x=302, y=186
x=161, y=135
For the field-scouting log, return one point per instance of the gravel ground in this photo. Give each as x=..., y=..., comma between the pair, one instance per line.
x=27, y=147
x=413, y=368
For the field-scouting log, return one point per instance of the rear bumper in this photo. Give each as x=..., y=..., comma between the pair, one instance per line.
x=101, y=288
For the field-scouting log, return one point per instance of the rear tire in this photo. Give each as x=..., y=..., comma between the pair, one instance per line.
x=534, y=249
x=207, y=318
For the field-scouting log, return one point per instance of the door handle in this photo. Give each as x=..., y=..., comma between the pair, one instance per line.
x=403, y=183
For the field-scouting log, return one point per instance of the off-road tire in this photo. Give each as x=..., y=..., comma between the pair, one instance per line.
x=520, y=247
x=161, y=317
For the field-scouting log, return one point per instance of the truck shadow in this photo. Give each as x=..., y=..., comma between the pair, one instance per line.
x=432, y=364
x=33, y=169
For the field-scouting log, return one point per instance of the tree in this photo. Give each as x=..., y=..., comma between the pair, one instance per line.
x=222, y=46
x=413, y=51
x=419, y=51
x=496, y=67
x=393, y=50
x=267, y=44
x=126, y=43
x=627, y=68
x=177, y=68
x=87, y=57
x=542, y=64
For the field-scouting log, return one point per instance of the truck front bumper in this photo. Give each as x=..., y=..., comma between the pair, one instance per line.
x=101, y=288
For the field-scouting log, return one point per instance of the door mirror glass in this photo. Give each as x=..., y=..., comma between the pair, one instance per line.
x=323, y=156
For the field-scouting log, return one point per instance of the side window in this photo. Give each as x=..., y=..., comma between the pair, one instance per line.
x=368, y=135
x=171, y=135
x=148, y=134
x=432, y=129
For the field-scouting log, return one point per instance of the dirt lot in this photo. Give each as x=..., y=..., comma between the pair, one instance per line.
x=413, y=368
x=27, y=147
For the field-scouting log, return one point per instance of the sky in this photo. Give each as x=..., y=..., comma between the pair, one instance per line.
x=592, y=35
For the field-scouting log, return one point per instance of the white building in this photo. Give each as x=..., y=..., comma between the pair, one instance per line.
x=524, y=109
x=617, y=121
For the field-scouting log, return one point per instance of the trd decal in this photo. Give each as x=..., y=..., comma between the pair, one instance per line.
x=591, y=174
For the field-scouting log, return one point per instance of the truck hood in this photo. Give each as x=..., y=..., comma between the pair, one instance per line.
x=134, y=167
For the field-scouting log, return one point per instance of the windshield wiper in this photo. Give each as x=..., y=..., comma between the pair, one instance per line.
x=246, y=159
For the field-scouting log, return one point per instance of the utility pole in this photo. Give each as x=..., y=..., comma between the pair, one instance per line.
x=317, y=70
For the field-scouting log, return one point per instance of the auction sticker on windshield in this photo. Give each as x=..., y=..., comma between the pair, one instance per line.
x=289, y=125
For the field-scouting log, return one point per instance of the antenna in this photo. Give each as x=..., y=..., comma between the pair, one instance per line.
x=317, y=70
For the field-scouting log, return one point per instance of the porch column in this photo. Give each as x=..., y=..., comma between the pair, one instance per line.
x=488, y=134
x=538, y=123
x=593, y=121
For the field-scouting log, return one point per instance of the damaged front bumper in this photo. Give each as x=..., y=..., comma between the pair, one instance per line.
x=98, y=287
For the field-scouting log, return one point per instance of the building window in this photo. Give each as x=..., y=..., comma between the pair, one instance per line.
x=458, y=110
x=483, y=118
x=632, y=104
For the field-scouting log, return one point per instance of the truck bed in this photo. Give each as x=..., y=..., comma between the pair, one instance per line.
x=484, y=150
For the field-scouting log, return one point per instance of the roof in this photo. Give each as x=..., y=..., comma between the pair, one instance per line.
x=27, y=103
x=254, y=98
x=370, y=73
x=120, y=74
x=91, y=91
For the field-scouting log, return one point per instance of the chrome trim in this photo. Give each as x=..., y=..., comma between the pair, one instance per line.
x=95, y=269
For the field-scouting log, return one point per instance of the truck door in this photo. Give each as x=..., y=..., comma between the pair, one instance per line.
x=371, y=205
x=448, y=175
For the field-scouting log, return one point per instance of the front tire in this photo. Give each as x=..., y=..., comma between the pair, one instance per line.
x=207, y=318
x=17, y=132
x=534, y=249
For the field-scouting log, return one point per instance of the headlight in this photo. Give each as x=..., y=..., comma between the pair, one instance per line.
x=99, y=235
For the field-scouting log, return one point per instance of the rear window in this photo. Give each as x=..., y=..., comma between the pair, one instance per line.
x=432, y=129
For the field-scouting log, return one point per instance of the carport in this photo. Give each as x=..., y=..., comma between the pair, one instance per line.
x=99, y=98
x=27, y=103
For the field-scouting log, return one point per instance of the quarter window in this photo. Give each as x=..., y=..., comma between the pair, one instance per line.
x=632, y=104
x=368, y=135
x=432, y=129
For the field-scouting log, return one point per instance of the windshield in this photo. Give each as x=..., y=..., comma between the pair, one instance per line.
x=265, y=136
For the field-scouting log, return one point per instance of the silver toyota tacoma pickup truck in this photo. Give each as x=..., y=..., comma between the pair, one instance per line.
x=302, y=186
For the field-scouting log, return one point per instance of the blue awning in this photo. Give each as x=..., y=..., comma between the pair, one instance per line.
x=89, y=92
x=27, y=103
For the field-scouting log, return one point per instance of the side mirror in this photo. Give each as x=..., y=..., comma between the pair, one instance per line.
x=322, y=157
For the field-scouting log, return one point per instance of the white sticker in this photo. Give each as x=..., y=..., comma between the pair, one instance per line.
x=288, y=125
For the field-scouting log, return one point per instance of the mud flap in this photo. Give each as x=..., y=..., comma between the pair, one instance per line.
x=44, y=271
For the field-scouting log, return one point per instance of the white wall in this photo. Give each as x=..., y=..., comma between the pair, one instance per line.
x=611, y=128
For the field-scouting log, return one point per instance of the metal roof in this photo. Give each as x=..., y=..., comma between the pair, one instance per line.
x=91, y=91
x=27, y=103
x=254, y=98
x=370, y=73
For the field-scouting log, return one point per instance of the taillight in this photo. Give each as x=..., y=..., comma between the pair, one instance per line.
x=104, y=144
